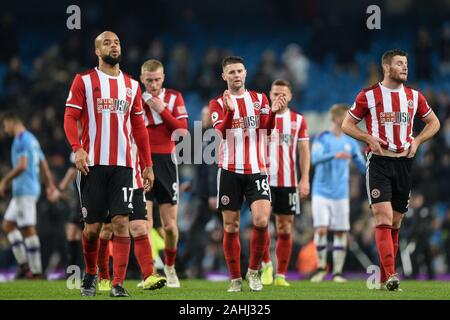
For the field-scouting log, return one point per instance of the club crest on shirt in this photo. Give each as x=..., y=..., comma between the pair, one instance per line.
x=256, y=105
x=129, y=92
x=214, y=116
x=410, y=104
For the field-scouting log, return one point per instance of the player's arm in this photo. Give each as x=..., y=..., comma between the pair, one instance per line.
x=16, y=171
x=221, y=119
x=46, y=173
x=305, y=159
x=432, y=125
x=318, y=153
x=355, y=115
x=141, y=138
x=212, y=186
x=358, y=157
x=70, y=176
x=74, y=106
x=305, y=164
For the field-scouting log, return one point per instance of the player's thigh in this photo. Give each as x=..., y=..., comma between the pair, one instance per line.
x=230, y=190
x=166, y=180
x=120, y=191
x=378, y=179
x=340, y=215
x=10, y=217
x=139, y=205
x=284, y=200
x=26, y=213
x=257, y=193
x=93, y=190
x=320, y=212
x=401, y=190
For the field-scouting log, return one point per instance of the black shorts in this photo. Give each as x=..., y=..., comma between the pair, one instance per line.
x=389, y=179
x=139, y=210
x=233, y=187
x=285, y=200
x=106, y=189
x=165, y=188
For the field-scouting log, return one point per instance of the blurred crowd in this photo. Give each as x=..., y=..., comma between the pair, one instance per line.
x=38, y=88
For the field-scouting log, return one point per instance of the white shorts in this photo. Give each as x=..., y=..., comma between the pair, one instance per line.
x=22, y=211
x=331, y=213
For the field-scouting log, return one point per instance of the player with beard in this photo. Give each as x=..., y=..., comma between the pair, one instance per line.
x=389, y=108
x=108, y=104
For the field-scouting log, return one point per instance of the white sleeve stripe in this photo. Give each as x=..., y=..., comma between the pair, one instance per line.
x=73, y=106
x=181, y=117
x=138, y=113
x=354, y=116
x=216, y=123
x=303, y=139
x=427, y=113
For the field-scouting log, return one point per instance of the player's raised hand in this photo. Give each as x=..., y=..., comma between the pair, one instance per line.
x=149, y=178
x=156, y=104
x=227, y=101
x=82, y=161
x=375, y=144
x=279, y=103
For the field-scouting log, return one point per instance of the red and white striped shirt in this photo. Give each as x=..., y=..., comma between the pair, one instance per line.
x=158, y=130
x=290, y=127
x=105, y=103
x=243, y=149
x=389, y=113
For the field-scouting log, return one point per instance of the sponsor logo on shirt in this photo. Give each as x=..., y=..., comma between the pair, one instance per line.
x=251, y=122
x=112, y=105
x=395, y=118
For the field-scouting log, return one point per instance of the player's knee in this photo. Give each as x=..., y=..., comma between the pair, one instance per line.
x=231, y=226
x=120, y=224
x=170, y=228
x=322, y=231
x=28, y=231
x=7, y=227
x=138, y=229
x=91, y=234
x=284, y=228
x=260, y=221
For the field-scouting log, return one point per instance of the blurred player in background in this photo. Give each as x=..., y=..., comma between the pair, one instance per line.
x=290, y=132
x=389, y=108
x=165, y=112
x=108, y=104
x=28, y=163
x=331, y=154
x=239, y=114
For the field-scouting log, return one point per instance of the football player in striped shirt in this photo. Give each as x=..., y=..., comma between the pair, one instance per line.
x=108, y=104
x=289, y=138
x=165, y=112
x=389, y=108
x=243, y=118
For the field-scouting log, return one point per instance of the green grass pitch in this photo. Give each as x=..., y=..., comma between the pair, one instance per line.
x=208, y=290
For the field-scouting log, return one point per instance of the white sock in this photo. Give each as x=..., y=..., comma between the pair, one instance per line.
x=17, y=246
x=339, y=252
x=34, y=254
x=321, y=245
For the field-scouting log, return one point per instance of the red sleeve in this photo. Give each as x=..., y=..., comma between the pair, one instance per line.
x=267, y=117
x=139, y=130
x=303, y=133
x=179, y=108
x=360, y=107
x=423, y=109
x=71, y=117
x=171, y=122
x=77, y=94
x=74, y=105
x=220, y=120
